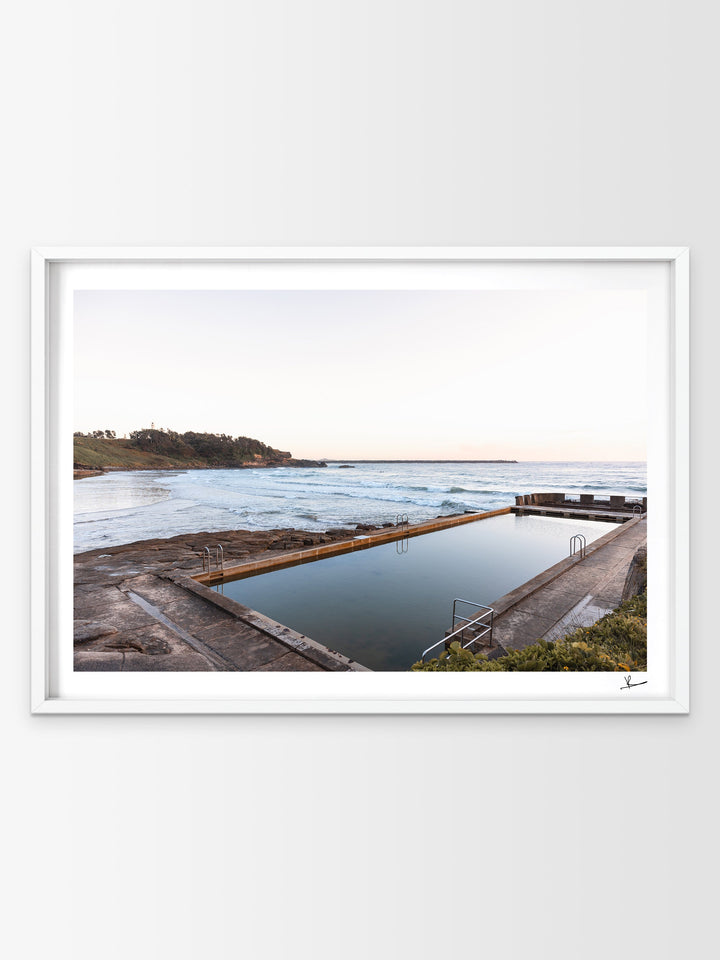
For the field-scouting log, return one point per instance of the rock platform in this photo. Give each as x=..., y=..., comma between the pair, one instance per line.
x=137, y=608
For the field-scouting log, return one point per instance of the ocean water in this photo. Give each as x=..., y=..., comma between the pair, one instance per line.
x=126, y=506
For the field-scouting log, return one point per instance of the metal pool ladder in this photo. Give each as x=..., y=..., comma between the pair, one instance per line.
x=219, y=559
x=478, y=627
x=401, y=546
x=578, y=544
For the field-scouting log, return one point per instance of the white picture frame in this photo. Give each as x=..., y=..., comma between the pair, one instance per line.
x=56, y=272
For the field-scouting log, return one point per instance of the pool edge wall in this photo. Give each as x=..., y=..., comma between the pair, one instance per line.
x=296, y=557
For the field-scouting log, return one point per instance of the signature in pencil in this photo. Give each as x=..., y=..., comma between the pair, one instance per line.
x=628, y=684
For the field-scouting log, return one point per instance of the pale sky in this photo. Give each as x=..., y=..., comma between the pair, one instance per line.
x=514, y=375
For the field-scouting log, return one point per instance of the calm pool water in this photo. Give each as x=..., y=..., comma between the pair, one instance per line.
x=383, y=607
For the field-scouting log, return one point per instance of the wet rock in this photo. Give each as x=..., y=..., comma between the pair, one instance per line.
x=150, y=646
x=87, y=631
x=636, y=579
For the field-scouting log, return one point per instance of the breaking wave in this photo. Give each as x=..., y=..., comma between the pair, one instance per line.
x=123, y=507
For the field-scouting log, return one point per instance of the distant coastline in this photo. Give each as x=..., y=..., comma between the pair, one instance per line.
x=83, y=472
x=101, y=451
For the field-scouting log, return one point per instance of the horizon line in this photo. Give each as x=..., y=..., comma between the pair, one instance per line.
x=460, y=460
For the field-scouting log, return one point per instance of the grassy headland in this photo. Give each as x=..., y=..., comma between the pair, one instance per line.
x=152, y=449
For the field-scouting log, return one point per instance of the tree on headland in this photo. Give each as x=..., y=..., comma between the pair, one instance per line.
x=217, y=449
x=96, y=434
x=163, y=448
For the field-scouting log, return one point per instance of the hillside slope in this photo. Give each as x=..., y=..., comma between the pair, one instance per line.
x=167, y=450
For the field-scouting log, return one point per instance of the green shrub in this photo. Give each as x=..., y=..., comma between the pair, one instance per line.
x=617, y=642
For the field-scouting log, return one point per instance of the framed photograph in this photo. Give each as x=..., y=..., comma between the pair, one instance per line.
x=389, y=480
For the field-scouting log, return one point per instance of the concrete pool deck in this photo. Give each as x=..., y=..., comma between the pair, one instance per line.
x=150, y=623
x=569, y=513
x=575, y=592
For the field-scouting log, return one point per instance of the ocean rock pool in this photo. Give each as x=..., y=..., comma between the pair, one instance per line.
x=384, y=605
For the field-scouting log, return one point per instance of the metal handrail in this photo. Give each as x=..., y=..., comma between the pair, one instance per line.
x=219, y=559
x=638, y=507
x=401, y=520
x=578, y=542
x=467, y=624
x=470, y=603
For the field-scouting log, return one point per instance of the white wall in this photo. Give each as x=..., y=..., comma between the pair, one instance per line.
x=371, y=122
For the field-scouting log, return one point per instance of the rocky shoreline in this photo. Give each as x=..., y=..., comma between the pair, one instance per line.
x=185, y=551
x=80, y=472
